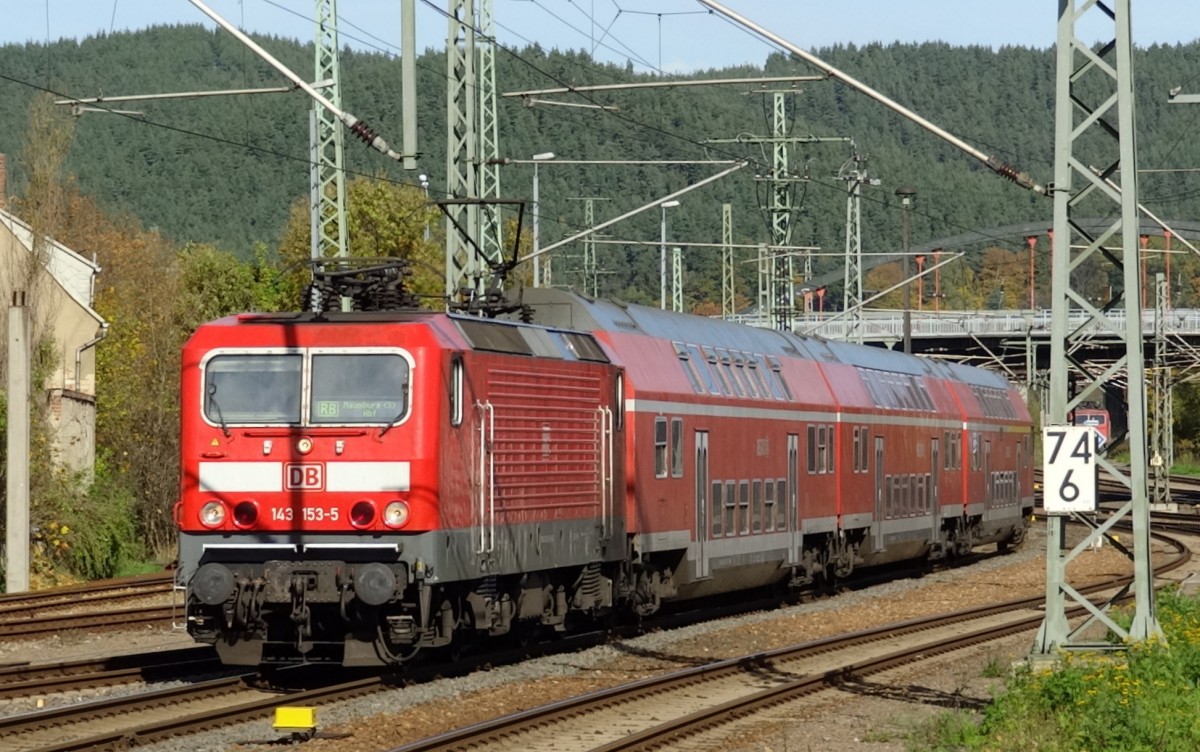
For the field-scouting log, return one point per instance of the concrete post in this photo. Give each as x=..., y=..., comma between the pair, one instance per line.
x=16, y=565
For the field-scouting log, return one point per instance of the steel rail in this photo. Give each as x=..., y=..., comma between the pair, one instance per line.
x=480, y=735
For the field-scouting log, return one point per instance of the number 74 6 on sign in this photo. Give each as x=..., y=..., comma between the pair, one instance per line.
x=1069, y=469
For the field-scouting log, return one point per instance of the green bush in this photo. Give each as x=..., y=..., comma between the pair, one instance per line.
x=107, y=534
x=1145, y=699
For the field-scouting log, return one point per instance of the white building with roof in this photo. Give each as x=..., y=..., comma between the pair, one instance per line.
x=63, y=303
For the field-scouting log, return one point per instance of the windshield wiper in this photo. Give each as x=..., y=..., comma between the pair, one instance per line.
x=212, y=400
x=400, y=415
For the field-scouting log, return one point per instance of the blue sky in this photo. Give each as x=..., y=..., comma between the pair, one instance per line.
x=679, y=33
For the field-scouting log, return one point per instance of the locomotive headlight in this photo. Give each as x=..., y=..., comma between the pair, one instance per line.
x=304, y=445
x=362, y=514
x=212, y=514
x=395, y=514
x=245, y=513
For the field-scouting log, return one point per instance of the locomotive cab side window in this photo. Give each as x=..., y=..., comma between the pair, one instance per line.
x=456, y=389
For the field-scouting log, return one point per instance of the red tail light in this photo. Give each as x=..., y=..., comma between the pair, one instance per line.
x=245, y=514
x=362, y=514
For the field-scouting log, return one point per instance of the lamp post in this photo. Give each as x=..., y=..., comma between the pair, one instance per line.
x=425, y=187
x=662, y=254
x=537, y=260
x=907, y=195
x=920, y=283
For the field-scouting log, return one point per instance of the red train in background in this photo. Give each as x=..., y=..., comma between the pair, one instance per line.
x=1096, y=417
x=359, y=486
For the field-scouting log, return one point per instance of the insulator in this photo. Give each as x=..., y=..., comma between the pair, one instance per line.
x=363, y=131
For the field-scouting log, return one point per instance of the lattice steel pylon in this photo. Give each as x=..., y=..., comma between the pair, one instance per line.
x=782, y=297
x=728, y=296
x=463, y=269
x=852, y=291
x=328, y=176
x=1162, y=435
x=491, y=225
x=1092, y=86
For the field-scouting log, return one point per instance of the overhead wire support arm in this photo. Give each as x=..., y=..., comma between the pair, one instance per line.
x=662, y=85
x=633, y=212
x=997, y=165
x=358, y=127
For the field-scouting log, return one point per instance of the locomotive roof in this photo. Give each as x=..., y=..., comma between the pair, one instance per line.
x=564, y=309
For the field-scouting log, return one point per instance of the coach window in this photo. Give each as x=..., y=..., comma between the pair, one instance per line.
x=718, y=511
x=781, y=504
x=812, y=448
x=253, y=388
x=676, y=447
x=757, y=513
x=698, y=362
x=974, y=451
x=730, y=508
x=739, y=367
x=821, y=450
x=714, y=363
x=359, y=388
x=744, y=505
x=770, y=370
x=769, y=504
x=866, y=455
x=830, y=466
x=660, y=447
x=727, y=366
x=689, y=369
x=857, y=441
x=456, y=389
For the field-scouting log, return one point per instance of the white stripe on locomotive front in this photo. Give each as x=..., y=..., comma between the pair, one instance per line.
x=267, y=477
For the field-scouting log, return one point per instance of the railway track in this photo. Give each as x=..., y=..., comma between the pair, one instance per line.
x=667, y=711
x=68, y=676
x=88, y=606
x=16, y=627
x=100, y=591
x=762, y=678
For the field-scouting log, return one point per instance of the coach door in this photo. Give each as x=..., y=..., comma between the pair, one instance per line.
x=988, y=489
x=935, y=480
x=880, y=484
x=793, y=499
x=702, y=526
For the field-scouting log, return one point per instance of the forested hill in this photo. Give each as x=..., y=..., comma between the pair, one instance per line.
x=226, y=170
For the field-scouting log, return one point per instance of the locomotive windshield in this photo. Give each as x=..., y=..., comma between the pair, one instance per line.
x=246, y=388
x=359, y=388
x=268, y=388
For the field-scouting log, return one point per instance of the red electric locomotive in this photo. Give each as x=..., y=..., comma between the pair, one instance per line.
x=358, y=486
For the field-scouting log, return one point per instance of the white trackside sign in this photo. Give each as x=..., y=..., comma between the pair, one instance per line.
x=1069, y=469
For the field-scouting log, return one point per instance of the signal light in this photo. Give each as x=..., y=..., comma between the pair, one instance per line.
x=245, y=514
x=396, y=514
x=362, y=514
x=212, y=514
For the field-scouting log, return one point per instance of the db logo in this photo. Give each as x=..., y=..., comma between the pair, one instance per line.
x=308, y=477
